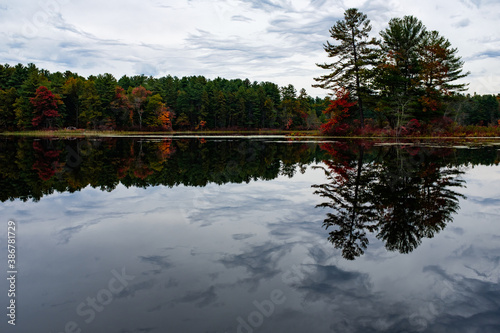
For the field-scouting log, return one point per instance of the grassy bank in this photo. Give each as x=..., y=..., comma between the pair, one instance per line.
x=87, y=133
x=289, y=133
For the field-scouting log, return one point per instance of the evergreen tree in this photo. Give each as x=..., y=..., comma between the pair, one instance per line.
x=105, y=85
x=7, y=110
x=72, y=90
x=23, y=107
x=353, y=56
x=91, y=108
x=398, y=72
x=439, y=67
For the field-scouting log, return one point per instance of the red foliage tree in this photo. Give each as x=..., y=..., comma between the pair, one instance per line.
x=338, y=110
x=45, y=105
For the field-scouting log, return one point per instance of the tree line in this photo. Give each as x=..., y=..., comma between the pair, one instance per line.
x=406, y=82
x=33, y=98
x=408, y=77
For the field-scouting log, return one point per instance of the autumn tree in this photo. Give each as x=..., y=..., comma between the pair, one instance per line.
x=121, y=108
x=417, y=68
x=338, y=111
x=139, y=98
x=440, y=66
x=45, y=105
x=354, y=54
x=165, y=116
x=157, y=114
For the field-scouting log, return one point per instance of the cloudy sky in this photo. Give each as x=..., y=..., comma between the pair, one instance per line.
x=263, y=40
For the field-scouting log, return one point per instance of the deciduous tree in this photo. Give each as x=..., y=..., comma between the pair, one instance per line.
x=45, y=105
x=139, y=98
x=338, y=111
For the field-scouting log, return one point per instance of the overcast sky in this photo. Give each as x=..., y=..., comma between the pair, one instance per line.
x=262, y=40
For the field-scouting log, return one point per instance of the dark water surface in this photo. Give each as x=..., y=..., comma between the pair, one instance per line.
x=251, y=235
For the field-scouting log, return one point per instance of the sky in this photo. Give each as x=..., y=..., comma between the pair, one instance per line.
x=262, y=40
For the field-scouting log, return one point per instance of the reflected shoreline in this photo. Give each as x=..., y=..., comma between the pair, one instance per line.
x=32, y=168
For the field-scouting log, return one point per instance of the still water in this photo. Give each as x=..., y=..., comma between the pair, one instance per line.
x=251, y=235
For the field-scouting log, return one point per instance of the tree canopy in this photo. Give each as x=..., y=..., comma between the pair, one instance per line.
x=408, y=77
x=147, y=103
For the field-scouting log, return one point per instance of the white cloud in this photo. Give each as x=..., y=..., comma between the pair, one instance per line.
x=264, y=40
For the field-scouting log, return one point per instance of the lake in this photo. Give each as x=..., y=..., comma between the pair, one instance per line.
x=250, y=234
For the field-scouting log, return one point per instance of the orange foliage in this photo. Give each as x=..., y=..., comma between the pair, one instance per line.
x=165, y=149
x=201, y=125
x=165, y=117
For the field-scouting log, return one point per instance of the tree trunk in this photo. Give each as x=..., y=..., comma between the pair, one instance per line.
x=358, y=89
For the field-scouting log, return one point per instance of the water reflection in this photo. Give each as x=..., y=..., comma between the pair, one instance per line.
x=30, y=169
x=210, y=228
x=402, y=194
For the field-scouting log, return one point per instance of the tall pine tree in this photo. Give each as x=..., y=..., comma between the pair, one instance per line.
x=354, y=55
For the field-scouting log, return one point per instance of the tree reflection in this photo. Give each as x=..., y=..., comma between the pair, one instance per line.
x=46, y=162
x=349, y=197
x=30, y=169
x=402, y=194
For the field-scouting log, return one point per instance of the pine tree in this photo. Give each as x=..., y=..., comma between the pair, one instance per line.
x=353, y=56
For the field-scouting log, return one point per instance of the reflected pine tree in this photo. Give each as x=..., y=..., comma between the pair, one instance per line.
x=350, y=198
x=414, y=195
x=401, y=194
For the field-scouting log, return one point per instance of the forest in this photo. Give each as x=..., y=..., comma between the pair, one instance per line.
x=404, y=83
x=32, y=98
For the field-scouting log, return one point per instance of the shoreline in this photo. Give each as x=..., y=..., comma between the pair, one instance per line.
x=221, y=133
